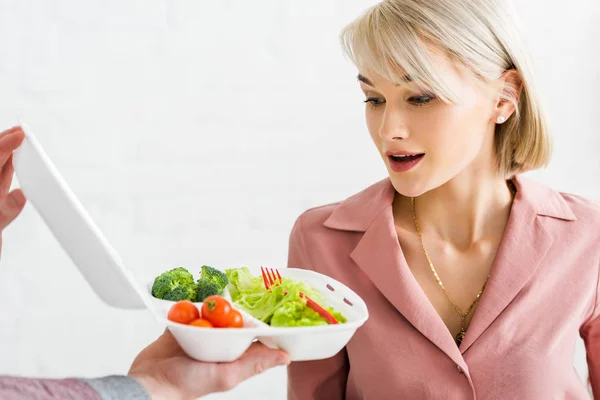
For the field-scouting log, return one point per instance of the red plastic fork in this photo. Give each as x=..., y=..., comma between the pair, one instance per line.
x=272, y=277
x=269, y=277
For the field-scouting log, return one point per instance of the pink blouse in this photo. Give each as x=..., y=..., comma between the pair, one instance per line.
x=542, y=293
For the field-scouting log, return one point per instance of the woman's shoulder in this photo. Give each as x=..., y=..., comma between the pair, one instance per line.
x=351, y=213
x=587, y=217
x=552, y=202
x=327, y=229
x=582, y=207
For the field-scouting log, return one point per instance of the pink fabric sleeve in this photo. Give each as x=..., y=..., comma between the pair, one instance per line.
x=315, y=380
x=591, y=337
x=16, y=388
x=590, y=333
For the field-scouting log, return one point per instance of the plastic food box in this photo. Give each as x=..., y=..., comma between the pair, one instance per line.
x=114, y=284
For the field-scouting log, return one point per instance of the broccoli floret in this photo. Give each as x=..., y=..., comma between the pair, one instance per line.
x=170, y=280
x=206, y=288
x=187, y=292
x=216, y=276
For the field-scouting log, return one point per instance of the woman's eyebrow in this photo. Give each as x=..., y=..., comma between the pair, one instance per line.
x=361, y=78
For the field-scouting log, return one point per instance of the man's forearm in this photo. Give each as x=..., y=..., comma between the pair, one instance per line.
x=106, y=388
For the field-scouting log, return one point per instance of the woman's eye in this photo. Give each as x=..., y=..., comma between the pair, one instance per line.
x=374, y=102
x=421, y=100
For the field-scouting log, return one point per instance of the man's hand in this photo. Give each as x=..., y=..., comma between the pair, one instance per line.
x=168, y=373
x=11, y=203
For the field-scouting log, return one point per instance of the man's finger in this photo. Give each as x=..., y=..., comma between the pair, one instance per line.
x=10, y=207
x=9, y=131
x=166, y=342
x=257, y=359
x=9, y=143
x=6, y=175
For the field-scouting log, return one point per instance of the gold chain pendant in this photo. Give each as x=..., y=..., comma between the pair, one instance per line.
x=460, y=336
x=463, y=331
x=463, y=315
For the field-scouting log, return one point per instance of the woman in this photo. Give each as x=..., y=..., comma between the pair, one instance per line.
x=478, y=280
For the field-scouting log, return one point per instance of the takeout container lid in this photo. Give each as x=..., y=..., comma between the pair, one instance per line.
x=47, y=191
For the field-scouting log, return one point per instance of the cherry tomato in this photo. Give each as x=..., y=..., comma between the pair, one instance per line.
x=235, y=319
x=183, y=312
x=216, y=310
x=202, y=323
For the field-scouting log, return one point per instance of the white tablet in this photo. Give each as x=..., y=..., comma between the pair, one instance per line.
x=47, y=191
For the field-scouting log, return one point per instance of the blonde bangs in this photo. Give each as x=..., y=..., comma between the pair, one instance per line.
x=381, y=44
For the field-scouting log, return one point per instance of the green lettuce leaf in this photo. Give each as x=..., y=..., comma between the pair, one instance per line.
x=279, y=306
x=296, y=313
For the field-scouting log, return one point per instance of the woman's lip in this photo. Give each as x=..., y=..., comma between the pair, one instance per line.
x=402, y=153
x=403, y=166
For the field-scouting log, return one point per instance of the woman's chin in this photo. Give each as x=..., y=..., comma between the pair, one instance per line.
x=407, y=188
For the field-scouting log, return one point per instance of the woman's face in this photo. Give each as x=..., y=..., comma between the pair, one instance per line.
x=425, y=142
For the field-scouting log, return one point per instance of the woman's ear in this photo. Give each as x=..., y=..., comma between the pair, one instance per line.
x=511, y=86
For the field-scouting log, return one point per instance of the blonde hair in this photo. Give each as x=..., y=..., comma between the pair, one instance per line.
x=390, y=40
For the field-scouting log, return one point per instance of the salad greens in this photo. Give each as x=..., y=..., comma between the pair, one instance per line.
x=279, y=306
x=297, y=313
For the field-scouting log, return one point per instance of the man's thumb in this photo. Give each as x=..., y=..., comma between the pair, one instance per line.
x=257, y=359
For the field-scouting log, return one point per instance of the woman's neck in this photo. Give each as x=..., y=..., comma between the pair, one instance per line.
x=463, y=212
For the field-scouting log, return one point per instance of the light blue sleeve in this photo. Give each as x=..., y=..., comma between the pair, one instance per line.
x=118, y=387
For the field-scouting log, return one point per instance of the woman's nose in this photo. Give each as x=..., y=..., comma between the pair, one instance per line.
x=393, y=126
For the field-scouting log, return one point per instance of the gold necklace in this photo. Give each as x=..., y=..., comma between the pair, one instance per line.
x=463, y=314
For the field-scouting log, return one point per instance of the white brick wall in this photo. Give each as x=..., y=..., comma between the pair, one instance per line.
x=196, y=131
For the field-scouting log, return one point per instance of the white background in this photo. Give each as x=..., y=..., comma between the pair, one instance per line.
x=195, y=132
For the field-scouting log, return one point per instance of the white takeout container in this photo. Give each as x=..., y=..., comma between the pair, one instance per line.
x=301, y=343
x=114, y=284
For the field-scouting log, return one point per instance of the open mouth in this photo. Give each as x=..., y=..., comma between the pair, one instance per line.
x=404, y=162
